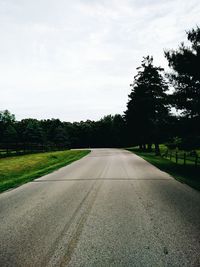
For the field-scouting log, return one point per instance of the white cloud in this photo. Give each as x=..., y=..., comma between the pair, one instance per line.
x=75, y=59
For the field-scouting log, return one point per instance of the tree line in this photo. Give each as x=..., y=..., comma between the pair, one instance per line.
x=53, y=134
x=148, y=118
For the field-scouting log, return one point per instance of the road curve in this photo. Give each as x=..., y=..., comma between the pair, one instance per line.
x=110, y=208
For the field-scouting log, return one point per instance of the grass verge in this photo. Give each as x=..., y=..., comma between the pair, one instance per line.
x=18, y=170
x=188, y=174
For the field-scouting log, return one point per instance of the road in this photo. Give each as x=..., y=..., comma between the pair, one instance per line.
x=110, y=208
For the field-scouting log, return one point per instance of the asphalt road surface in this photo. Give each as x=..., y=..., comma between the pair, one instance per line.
x=110, y=208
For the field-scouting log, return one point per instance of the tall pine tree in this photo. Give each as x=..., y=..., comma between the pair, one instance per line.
x=185, y=63
x=147, y=108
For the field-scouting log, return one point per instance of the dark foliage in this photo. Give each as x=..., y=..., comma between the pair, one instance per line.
x=32, y=134
x=185, y=78
x=185, y=63
x=147, y=113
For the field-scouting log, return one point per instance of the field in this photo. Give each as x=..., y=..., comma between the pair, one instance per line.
x=17, y=170
x=189, y=173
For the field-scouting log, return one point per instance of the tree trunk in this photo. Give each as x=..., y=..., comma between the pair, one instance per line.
x=143, y=147
x=140, y=146
x=149, y=147
x=157, y=149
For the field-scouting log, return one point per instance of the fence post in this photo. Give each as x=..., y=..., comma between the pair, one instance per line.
x=176, y=157
x=196, y=160
x=184, y=158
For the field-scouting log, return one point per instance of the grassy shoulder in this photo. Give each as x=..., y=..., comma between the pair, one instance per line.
x=188, y=174
x=18, y=170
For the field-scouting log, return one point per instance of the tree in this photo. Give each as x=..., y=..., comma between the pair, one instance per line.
x=9, y=136
x=33, y=133
x=118, y=125
x=185, y=63
x=6, y=125
x=61, y=138
x=147, y=108
x=49, y=127
x=6, y=117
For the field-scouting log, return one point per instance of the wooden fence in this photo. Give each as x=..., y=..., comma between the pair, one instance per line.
x=185, y=158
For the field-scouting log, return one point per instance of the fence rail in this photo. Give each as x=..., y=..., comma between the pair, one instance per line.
x=185, y=158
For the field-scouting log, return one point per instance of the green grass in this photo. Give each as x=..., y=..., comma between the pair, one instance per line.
x=18, y=170
x=188, y=174
x=190, y=160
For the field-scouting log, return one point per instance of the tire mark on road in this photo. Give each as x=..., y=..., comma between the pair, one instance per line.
x=79, y=227
x=68, y=239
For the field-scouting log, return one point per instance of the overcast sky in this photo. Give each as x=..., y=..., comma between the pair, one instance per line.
x=75, y=59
